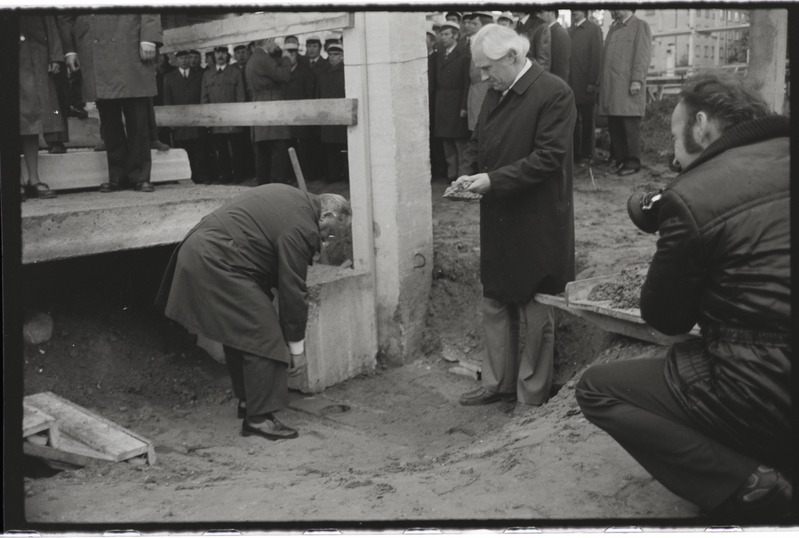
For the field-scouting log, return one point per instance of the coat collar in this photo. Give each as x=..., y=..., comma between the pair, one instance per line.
x=521, y=86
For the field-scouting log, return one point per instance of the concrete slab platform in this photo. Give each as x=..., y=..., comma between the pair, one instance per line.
x=80, y=224
x=86, y=168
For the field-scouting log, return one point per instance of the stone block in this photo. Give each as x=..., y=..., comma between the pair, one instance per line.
x=84, y=169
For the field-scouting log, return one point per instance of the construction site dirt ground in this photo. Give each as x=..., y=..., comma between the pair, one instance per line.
x=385, y=448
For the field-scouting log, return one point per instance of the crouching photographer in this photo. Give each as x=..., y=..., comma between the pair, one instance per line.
x=712, y=420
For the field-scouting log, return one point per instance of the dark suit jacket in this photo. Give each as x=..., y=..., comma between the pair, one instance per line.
x=537, y=32
x=182, y=91
x=524, y=144
x=300, y=86
x=586, y=59
x=331, y=86
x=561, y=51
x=452, y=90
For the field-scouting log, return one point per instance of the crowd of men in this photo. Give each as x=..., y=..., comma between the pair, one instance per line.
x=114, y=61
x=606, y=79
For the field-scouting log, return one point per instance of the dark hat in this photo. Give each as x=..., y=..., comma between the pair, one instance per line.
x=483, y=14
x=453, y=13
x=181, y=53
x=335, y=45
x=469, y=15
x=313, y=39
x=194, y=51
x=221, y=49
x=290, y=37
x=291, y=46
x=239, y=47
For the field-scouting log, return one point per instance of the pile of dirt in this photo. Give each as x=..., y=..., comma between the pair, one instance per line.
x=624, y=291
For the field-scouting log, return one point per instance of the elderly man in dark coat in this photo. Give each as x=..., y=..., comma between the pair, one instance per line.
x=268, y=69
x=586, y=57
x=39, y=113
x=622, y=93
x=522, y=148
x=452, y=94
x=183, y=86
x=116, y=53
x=223, y=83
x=221, y=281
x=713, y=419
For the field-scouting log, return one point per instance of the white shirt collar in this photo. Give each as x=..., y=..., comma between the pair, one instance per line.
x=451, y=48
x=580, y=23
x=524, y=19
x=553, y=23
x=627, y=18
x=220, y=67
x=527, y=65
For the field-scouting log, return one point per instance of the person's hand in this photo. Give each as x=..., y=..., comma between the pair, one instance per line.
x=73, y=63
x=270, y=45
x=479, y=183
x=147, y=52
x=54, y=68
x=635, y=87
x=298, y=365
x=591, y=89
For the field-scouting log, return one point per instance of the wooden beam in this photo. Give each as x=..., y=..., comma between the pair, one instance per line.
x=260, y=113
x=250, y=27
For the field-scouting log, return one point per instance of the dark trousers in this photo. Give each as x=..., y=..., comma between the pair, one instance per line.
x=62, y=91
x=223, y=156
x=272, y=162
x=259, y=381
x=199, y=159
x=76, y=89
x=243, y=155
x=310, y=155
x=625, y=137
x=631, y=401
x=127, y=145
x=584, y=132
x=336, y=160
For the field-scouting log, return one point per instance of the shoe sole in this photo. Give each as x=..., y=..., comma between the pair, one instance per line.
x=270, y=436
x=487, y=401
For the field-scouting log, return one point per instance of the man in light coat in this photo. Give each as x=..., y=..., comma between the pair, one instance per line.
x=222, y=279
x=522, y=151
x=585, y=62
x=223, y=84
x=116, y=53
x=622, y=92
x=268, y=69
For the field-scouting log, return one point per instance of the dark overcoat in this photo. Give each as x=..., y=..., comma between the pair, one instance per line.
x=300, y=86
x=331, y=86
x=585, y=61
x=183, y=91
x=626, y=57
x=452, y=93
x=265, y=78
x=109, y=54
x=561, y=51
x=39, y=45
x=224, y=87
x=538, y=34
x=221, y=279
x=524, y=143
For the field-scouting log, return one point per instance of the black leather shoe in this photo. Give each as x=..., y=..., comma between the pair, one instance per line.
x=482, y=396
x=107, y=187
x=241, y=409
x=78, y=112
x=57, y=148
x=271, y=429
x=767, y=494
x=144, y=186
x=40, y=190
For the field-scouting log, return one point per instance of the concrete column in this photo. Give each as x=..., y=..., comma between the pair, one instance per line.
x=386, y=71
x=769, y=39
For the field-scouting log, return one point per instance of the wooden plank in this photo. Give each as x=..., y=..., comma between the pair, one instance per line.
x=60, y=459
x=36, y=421
x=260, y=113
x=250, y=27
x=92, y=430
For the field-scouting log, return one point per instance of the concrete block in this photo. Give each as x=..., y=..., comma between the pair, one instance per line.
x=93, y=223
x=83, y=169
x=38, y=329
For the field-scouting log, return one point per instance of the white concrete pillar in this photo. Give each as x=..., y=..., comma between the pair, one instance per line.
x=386, y=70
x=769, y=41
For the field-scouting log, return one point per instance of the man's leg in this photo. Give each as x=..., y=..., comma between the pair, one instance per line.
x=631, y=401
x=451, y=156
x=115, y=140
x=588, y=134
x=137, y=126
x=631, y=126
x=235, y=366
x=538, y=355
x=463, y=168
x=618, y=144
x=501, y=362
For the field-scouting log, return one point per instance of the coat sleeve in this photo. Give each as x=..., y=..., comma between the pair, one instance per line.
x=543, y=47
x=466, y=80
x=55, y=50
x=670, y=295
x=168, y=98
x=205, y=97
x=65, y=24
x=151, y=29
x=294, y=256
x=642, y=52
x=551, y=142
x=596, y=55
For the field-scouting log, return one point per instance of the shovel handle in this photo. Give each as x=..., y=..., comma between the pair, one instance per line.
x=295, y=163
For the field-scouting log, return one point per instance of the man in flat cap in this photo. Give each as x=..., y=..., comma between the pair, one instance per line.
x=223, y=84
x=452, y=89
x=507, y=19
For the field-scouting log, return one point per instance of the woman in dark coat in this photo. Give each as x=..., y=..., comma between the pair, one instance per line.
x=39, y=53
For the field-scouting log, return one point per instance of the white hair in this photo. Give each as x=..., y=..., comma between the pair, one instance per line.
x=495, y=41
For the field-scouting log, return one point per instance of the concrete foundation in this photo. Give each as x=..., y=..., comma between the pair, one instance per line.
x=86, y=169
